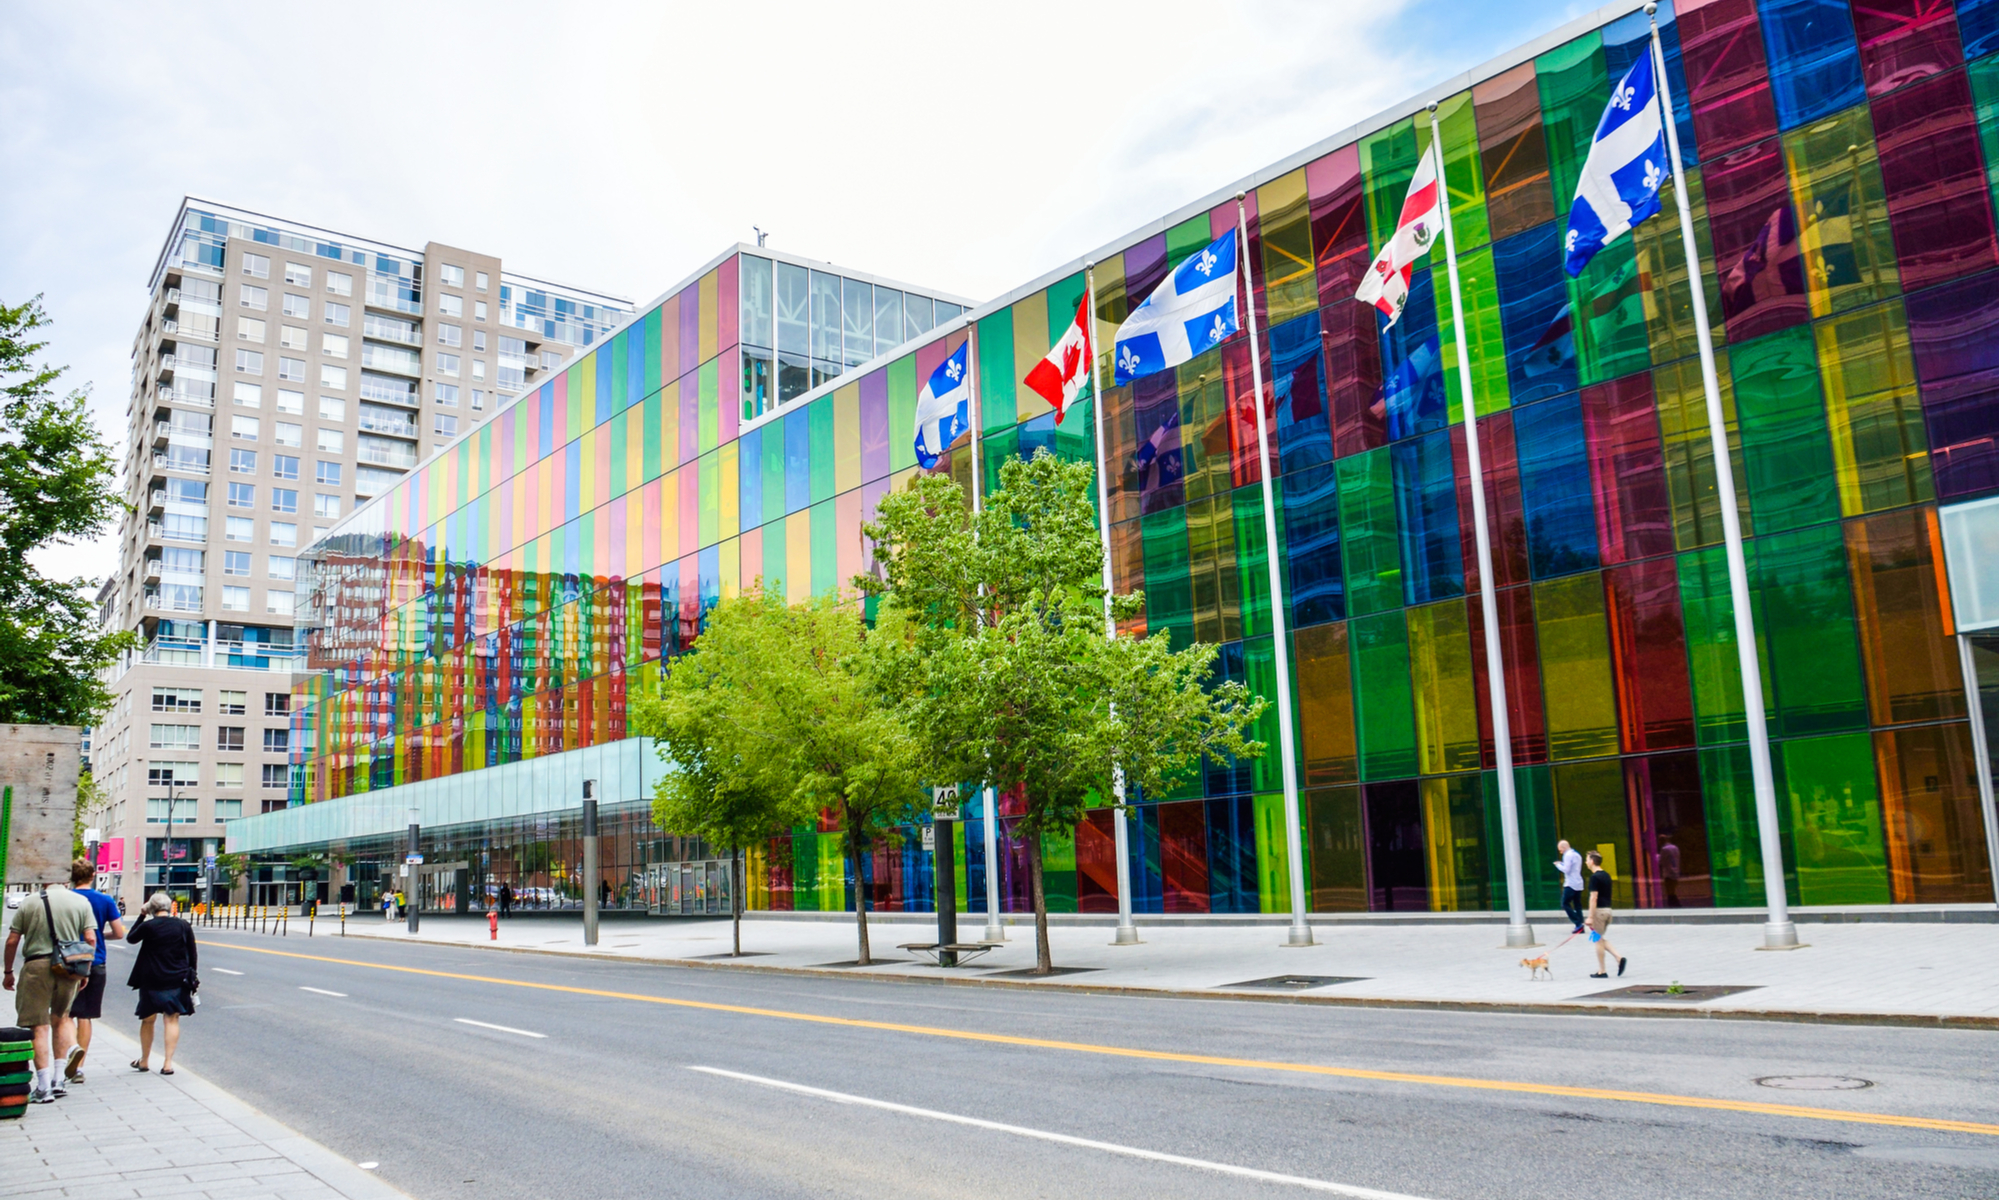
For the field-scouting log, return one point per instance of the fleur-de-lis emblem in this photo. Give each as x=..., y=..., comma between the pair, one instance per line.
x=1653, y=176
x=1623, y=97
x=1205, y=262
x=1569, y=242
x=1128, y=362
x=1217, y=331
x=953, y=370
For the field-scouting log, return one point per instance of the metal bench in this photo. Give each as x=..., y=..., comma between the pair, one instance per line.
x=964, y=952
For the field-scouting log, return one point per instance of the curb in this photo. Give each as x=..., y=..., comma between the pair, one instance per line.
x=1561, y=1008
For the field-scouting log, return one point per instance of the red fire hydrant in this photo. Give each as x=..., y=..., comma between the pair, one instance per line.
x=493, y=924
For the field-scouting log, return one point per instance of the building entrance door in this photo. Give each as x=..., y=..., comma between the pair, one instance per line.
x=688, y=888
x=444, y=887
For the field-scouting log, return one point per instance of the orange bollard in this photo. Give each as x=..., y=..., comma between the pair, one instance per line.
x=493, y=924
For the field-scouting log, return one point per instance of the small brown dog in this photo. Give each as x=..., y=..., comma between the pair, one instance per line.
x=1538, y=967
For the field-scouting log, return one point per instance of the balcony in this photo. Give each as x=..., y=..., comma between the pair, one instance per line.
x=391, y=358
x=170, y=302
x=389, y=303
x=176, y=395
x=165, y=372
x=391, y=331
x=156, y=501
x=153, y=566
x=393, y=424
x=161, y=431
x=385, y=454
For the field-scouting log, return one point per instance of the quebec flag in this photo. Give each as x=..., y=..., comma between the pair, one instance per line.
x=1189, y=313
x=944, y=408
x=1622, y=176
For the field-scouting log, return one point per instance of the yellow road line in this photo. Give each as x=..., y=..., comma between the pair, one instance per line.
x=1212, y=1060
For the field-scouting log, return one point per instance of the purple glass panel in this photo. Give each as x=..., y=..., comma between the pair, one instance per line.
x=1669, y=832
x=1903, y=41
x=1939, y=210
x=1635, y=517
x=690, y=417
x=875, y=425
x=1145, y=267
x=690, y=312
x=1756, y=242
x=1729, y=83
x=1953, y=336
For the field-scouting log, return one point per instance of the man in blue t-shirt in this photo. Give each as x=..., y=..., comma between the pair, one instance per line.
x=89, y=1005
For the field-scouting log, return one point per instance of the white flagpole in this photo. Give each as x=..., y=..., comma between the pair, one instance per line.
x=1300, y=933
x=995, y=931
x=1519, y=933
x=1128, y=933
x=1779, y=932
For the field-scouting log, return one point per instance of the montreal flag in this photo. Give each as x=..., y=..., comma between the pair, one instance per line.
x=1192, y=311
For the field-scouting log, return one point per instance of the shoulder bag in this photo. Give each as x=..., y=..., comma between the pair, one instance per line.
x=74, y=956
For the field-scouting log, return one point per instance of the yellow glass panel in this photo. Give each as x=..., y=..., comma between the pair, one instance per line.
x=798, y=556
x=1031, y=345
x=1881, y=457
x=1285, y=228
x=1441, y=685
x=729, y=496
x=1113, y=305
x=1576, y=667
x=730, y=567
x=847, y=438
x=1844, y=239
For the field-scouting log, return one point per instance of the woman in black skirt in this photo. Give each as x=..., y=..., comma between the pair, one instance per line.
x=164, y=976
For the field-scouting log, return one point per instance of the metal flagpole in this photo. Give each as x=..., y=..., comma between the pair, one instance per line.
x=1779, y=932
x=1300, y=933
x=995, y=931
x=1128, y=933
x=1519, y=933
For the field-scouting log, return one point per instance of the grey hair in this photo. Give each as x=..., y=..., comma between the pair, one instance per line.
x=158, y=904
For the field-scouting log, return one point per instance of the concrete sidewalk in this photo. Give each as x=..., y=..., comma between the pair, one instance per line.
x=126, y=1135
x=1892, y=972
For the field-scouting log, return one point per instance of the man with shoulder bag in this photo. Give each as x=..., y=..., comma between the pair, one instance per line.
x=56, y=935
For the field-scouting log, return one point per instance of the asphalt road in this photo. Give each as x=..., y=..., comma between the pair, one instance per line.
x=654, y=1081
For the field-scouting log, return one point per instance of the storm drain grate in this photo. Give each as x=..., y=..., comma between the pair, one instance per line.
x=1295, y=983
x=1663, y=993
x=1815, y=1083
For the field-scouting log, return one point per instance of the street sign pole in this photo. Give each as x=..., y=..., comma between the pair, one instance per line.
x=944, y=870
x=590, y=862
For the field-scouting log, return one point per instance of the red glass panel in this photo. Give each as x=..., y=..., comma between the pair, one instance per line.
x=1635, y=516
x=1128, y=572
x=1513, y=151
x=1237, y=383
x=1184, y=857
x=1756, y=240
x=1939, y=210
x=1903, y=41
x=1520, y=660
x=1353, y=354
x=1339, y=224
x=1508, y=536
x=1096, y=863
x=1649, y=652
x=1729, y=82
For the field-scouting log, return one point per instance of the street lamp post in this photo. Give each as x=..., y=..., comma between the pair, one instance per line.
x=590, y=862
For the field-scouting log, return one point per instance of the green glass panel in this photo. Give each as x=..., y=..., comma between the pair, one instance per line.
x=1383, y=721
x=1388, y=160
x=1874, y=415
x=708, y=407
x=708, y=484
x=1683, y=410
x=649, y=429
x=1714, y=672
x=1441, y=686
x=1059, y=868
x=1807, y=618
x=1186, y=238
x=1535, y=802
x=997, y=395
x=1573, y=85
x=819, y=431
x=1485, y=344
x=825, y=548
x=1212, y=573
x=575, y=416
x=1163, y=537
x=1576, y=666
x=994, y=451
x=1260, y=665
x=1371, y=553
x=1274, y=868
x=1788, y=464
x=1075, y=439
x=833, y=872
x=1063, y=297
x=1729, y=805
x=774, y=557
x=1590, y=813
x=903, y=411
x=1455, y=837
x=1464, y=176
x=1836, y=820
x=1204, y=425
x=1609, y=323
x=773, y=450
x=1253, y=568
x=1844, y=240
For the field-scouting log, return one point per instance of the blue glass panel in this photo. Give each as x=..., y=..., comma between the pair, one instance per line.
x=670, y=601
x=635, y=368
x=1304, y=436
x=1232, y=855
x=1312, y=545
x=708, y=571
x=545, y=422
x=798, y=461
x=750, y=478
x=1534, y=313
x=1556, y=498
x=1427, y=518
x=1627, y=38
x=1815, y=65
x=1231, y=777
x=1040, y=433
x=572, y=478
x=1156, y=413
x=1412, y=370
x=1977, y=27
x=1144, y=847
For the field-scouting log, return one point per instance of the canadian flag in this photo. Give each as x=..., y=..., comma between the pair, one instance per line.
x=1062, y=372
x=1387, y=284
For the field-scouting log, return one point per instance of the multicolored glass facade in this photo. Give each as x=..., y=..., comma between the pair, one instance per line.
x=506, y=601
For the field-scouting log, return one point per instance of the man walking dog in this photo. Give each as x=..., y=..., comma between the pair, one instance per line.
x=1600, y=913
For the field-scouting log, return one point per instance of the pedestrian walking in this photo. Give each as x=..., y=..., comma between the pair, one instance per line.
x=1600, y=913
x=47, y=930
x=88, y=1007
x=164, y=977
x=1570, y=864
x=506, y=900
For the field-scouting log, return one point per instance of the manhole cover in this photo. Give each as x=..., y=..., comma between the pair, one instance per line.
x=1815, y=1083
x=1295, y=983
x=1664, y=993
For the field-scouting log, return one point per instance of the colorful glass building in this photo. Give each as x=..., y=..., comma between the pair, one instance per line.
x=479, y=630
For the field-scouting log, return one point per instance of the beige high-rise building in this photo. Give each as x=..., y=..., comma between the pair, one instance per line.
x=281, y=375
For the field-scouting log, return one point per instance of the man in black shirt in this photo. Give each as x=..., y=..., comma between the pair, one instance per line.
x=1598, y=888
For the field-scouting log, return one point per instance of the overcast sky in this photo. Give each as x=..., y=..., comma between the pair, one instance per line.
x=619, y=146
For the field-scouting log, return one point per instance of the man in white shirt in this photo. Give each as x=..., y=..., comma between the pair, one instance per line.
x=1570, y=863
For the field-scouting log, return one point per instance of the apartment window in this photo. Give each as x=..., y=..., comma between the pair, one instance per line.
x=277, y=704
x=479, y=339
x=284, y=500
x=479, y=280
x=249, y=395
x=249, y=295
x=333, y=345
x=478, y=399
x=339, y=284
x=292, y=370
x=239, y=529
x=551, y=360
x=291, y=337
x=293, y=402
x=229, y=737
x=228, y=775
x=284, y=466
x=172, y=774
x=326, y=474
x=479, y=368
x=243, y=462
x=242, y=495
x=187, y=491
x=250, y=329
x=333, y=378
x=236, y=599
x=332, y=408
x=450, y=306
x=243, y=429
x=479, y=310
x=298, y=306
x=445, y=394
x=284, y=533
x=332, y=441
x=256, y=266
x=446, y=424
x=250, y=362
x=288, y=434
x=298, y=275
x=176, y=737
x=230, y=703
x=447, y=364
x=236, y=562
x=180, y=808
x=277, y=775
x=277, y=566
x=279, y=603
x=277, y=741
x=325, y=505
x=451, y=276
x=337, y=314
x=176, y=700
x=449, y=334
x=229, y=810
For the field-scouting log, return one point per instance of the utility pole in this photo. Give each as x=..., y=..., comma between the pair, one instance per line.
x=590, y=862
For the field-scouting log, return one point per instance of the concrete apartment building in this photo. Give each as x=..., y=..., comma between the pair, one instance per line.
x=282, y=374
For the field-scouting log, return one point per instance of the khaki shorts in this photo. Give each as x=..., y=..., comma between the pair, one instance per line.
x=39, y=996
x=1600, y=920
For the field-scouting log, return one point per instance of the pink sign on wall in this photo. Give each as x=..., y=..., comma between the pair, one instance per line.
x=111, y=855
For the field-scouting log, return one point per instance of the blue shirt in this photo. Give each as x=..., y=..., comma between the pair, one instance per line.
x=106, y=911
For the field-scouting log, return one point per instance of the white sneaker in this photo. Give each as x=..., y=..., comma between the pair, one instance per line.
x=41, y=1096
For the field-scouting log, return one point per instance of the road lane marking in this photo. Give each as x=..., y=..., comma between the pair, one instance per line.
x=1202, y=1164
x=227, y=971
x=1668, y=1099
x=324, y=992
x=501, y=1028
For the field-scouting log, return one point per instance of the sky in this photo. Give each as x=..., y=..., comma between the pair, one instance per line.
x=619, y=146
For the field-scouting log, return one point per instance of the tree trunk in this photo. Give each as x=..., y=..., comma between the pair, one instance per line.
x=860, y=893
x=1044, y=964
x=736, y=903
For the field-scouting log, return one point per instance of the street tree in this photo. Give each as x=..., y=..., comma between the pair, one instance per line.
x=1011, y=679
x=57, y=486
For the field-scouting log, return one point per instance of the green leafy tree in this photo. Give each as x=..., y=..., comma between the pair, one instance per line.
x=1010, y=678
x=776, y=714
x=57, y=485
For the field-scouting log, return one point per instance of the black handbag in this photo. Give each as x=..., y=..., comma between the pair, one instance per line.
x=74, y=956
